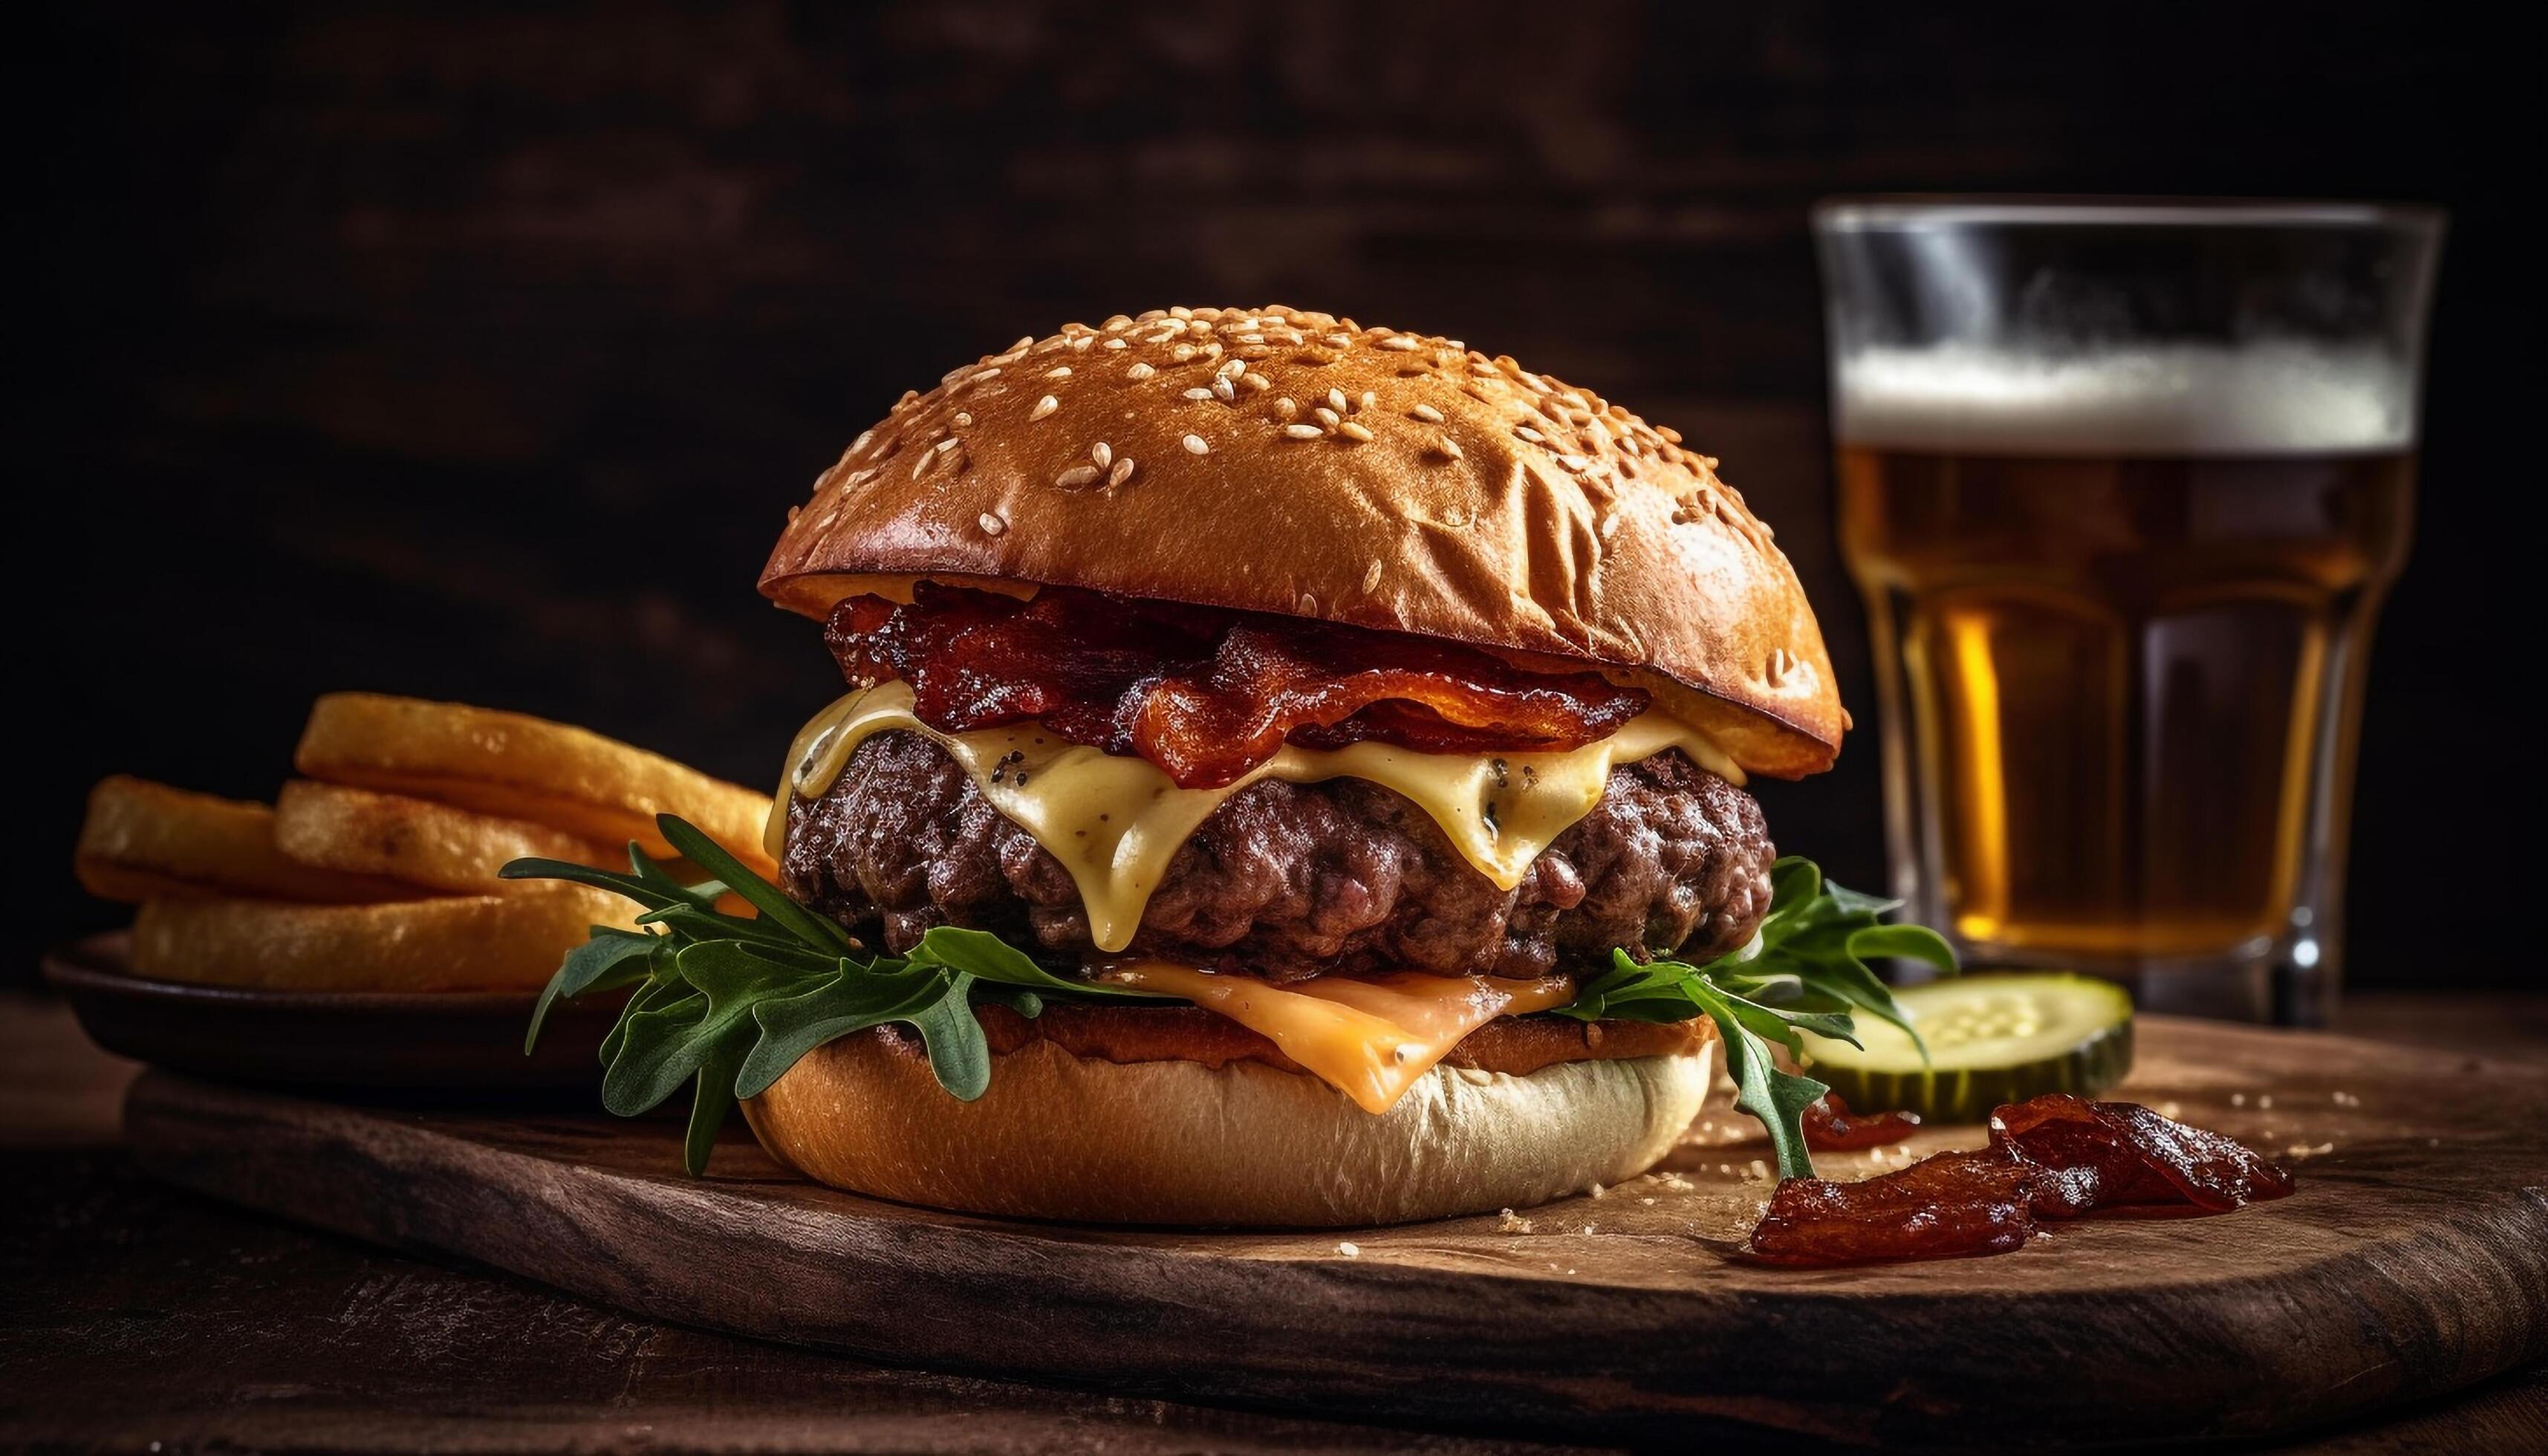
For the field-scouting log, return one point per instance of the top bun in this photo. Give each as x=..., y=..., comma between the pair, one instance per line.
x=1280, y=461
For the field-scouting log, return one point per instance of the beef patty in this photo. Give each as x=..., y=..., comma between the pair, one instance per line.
x=1289, y=880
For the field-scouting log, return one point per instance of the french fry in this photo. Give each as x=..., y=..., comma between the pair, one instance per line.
x=437, y=847
x=457, y=943
x=516, y=766
x=146, y=841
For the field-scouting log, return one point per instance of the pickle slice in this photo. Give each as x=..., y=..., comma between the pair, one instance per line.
x=1993, y=1038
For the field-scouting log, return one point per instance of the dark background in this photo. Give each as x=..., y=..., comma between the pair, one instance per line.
x=468, y=352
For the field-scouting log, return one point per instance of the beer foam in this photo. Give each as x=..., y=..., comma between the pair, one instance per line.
x=2274, y=398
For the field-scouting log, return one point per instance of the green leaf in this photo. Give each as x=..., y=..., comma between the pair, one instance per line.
x=852, y=1000
x=1776, y=1097
x=958, y=1053
x=600, y=964
x=712, y=1100
x=1019, y=999
x=729, y=1002
x=768, y=898
x=985, y=955
x=652, y=896
x=1803, y=970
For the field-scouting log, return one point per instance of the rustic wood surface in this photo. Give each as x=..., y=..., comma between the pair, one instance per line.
x=2414, y=1261
x=133, y=1311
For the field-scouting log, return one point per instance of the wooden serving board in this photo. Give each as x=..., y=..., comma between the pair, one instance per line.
x=2413, y=1260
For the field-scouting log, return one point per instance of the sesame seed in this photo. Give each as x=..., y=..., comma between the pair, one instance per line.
x=1301, y=431
x=1285, y=408
x=1223, y=389
x=1182, y=352
x=980, y=375
x=1233, y=368
x=1349, y=1250
x=861, y=443
x=1308, y=605
x=1448, y=446
x=1076, y=477
x=1139, y=372
x=1352, y=431
x=949, y=443
x=1327, y=416
x=1369, y=398
x=991, y=524
x=1255, y=383
x=1371, y=576
x=963, y=420
x=1198, y=394
x=1532, y=436
x=1043, y=408
x=1113, y=344
x=1100, y=454
x=1058, y=371
x=1197, y=445
x=1428, y=413
x=1122, y=471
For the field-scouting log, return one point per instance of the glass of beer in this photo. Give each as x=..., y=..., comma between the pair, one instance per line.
x=2123, y=485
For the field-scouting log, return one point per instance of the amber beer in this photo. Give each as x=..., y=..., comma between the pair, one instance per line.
x=2131, y=679
x=2121, y=686
x=2124, y=483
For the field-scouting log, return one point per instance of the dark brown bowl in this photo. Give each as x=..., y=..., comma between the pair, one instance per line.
x=376, y=1040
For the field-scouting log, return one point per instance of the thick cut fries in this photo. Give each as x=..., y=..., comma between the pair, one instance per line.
x=460, y=943
x=516, y=766
x=144, y=841
x=433, y=845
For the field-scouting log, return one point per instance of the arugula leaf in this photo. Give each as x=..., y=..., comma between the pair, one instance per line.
x=598, y=965
x=728, y=1003
x=1804, y=969
x=1778, y=1098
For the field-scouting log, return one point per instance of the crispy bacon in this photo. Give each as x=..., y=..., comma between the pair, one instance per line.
x=2057, y=1157
x=1206, y=694
x=2111, y=1154
x=1831, y=1126
x=1938, y=1208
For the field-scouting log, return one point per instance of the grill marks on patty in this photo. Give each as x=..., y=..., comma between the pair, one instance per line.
x=1290, y=880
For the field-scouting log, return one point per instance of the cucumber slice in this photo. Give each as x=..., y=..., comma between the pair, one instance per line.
x=1992, y=1039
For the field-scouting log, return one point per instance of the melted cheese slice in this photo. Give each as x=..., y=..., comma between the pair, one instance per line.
x=1370, y=1039
x=1116, y=821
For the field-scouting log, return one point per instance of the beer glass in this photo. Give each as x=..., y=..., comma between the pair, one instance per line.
x=2123, y=485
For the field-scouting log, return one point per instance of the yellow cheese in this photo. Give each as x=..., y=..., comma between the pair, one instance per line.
x=1370, y=1039
x=1115, y=821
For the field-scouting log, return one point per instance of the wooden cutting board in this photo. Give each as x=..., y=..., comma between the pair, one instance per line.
x=2413, y=1260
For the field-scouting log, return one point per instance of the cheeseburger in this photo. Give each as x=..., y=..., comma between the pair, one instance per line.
x=1310, y=759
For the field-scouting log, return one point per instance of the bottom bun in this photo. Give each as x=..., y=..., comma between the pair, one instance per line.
x=1065, y=1137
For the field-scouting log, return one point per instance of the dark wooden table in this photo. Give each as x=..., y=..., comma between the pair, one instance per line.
x=134, y=1316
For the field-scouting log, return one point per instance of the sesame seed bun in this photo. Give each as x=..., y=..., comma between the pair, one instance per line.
x=1059, y=1136
x=1280, y=461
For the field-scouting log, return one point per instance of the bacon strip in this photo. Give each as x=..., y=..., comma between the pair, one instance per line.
x=1207, y=695
x=2057, y=1157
